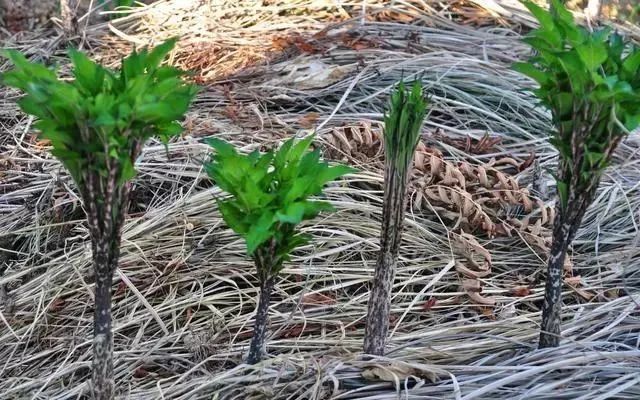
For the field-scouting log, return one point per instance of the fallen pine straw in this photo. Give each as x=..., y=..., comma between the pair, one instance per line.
x=184, y=294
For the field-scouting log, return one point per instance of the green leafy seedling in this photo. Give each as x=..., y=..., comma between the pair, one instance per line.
x=270, y=194
x=402, y=128
x=97, y=124
x=589, y=81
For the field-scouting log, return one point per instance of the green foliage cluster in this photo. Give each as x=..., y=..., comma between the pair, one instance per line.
x=270, y=196
x=590, y=82
x=98, y=120
x=403, y=122
x=97, y=124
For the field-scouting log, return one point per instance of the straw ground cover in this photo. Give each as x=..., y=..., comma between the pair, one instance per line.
x=184, y=295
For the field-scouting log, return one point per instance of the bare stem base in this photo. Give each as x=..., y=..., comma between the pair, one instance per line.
x=256, y=349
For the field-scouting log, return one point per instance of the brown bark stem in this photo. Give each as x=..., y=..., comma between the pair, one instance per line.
x=102, y=363
x=256, y=349
x=552, y=306
x=106, y=207
x=565, y=227
x=378, y=310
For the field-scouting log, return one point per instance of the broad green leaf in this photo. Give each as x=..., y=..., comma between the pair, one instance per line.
x=30, y=106
x=104, y=119
x=548, y=30
x=563, y=147
x=592, y=54
x=310, y=163
x=631, y=122
x=293, y=213
x=616, y=46
x=545, y=51
x=631, y=64
x=332, y=173
x=59, y=139
x=127, y=171
x=233, y=216
x=299, y=149
x=124, y=111
x=163, y=73
x=281, y=157
x=32, y=71
x=594, y=158
x=300, y=189
x=532, y=72
x=170, y=129
x=158, y=54
x=152, y=112
x=221, y=147
x=260, y=231
x=563, y=104
x=561, y=12
x=88, y=74
x=132, y=66
x=313, y=208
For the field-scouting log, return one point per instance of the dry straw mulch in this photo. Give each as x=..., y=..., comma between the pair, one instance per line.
x=469, y=286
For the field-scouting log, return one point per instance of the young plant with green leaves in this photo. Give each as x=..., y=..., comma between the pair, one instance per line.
x=589, y=81
x=270, y=195
x=97, y=124
x=403, y=124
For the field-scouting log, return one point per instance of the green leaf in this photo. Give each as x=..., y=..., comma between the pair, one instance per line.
x=592, y=54
x=532, y=72
x=152, y=112
x=30, y=71
x=171, y=129
x=222, y=148
x=293, y=213
x=104, y=119
x=30, y=106
x=563, y=104
x=282, y=156
x=260, y=232
x=563, y=193
x=631, y=64
x=299, y=149
x=563, y=147
x=548, y=30
x=631, y=122
x=616, y=46
x=89, y=75
x=561, y=12
x=594, y=158
x=313, y=208
x=300, y=189
x=233, y=216
x=49, y=130
x=127, y=171
x=158, y=54
x=332, y=173
x=403, y=123
x=132, y=66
